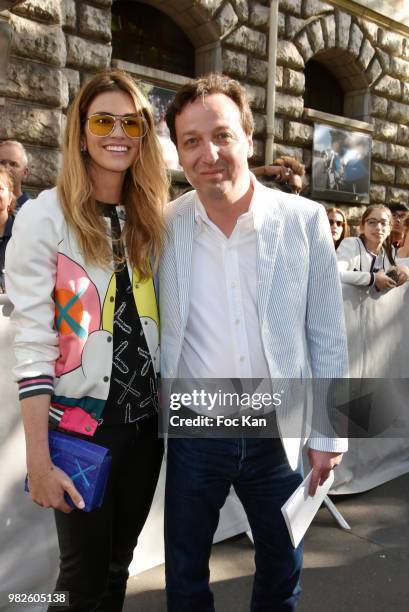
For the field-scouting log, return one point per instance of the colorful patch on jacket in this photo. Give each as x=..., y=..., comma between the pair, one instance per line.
x=77, y=312
x=108, y=308
x=145, y=300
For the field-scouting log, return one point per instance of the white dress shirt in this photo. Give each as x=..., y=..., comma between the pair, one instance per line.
x=223, y=337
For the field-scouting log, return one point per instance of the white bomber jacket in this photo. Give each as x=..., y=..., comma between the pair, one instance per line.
x=63, y=316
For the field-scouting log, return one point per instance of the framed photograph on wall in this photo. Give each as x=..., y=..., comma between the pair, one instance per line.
x=160, y=97
x=341, y=164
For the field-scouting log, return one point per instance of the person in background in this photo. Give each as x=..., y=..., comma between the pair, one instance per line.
x=368, y=260
x=79, y=272
x=14, y=157
x=402, y=254
x=7, y=202
x=338, y=224
x=399, y=210
x=287, y=172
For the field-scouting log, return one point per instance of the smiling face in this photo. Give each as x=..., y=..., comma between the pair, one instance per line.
x=336, y=222
x=213, y=148
x=117, y=152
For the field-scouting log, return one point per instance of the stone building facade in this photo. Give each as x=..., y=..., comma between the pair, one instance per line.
x=57, y=44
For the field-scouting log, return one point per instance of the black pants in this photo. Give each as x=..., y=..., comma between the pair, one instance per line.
x=96, y=547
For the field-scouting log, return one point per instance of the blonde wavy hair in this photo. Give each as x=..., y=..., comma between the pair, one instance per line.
x=145, y=188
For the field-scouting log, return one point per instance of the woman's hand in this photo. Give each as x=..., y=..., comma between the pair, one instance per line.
x=47, y=489
x=383, y=282
x=403, y=272
x=47, y=483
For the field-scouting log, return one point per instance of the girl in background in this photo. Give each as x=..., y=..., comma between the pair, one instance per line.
x=338, y=224
x=368, y=259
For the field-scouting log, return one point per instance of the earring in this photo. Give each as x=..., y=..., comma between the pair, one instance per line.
x=83, y=148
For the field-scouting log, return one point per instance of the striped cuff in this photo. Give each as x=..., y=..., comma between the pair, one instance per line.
x=40, y=385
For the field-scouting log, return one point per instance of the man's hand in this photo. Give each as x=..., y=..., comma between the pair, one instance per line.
x=322, y=462
x=48, y=490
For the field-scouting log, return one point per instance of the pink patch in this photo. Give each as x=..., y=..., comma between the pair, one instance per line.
x=78, y=420
x=71, y=277
x=34, y=381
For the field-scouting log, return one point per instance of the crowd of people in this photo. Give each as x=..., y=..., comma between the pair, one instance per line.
x=378, y=256
x=87, y=327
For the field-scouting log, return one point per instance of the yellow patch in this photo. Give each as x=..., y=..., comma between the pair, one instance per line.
x=145, y=298
x=108, y=308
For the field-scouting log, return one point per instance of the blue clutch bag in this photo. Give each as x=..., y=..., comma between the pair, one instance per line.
x=86, y=463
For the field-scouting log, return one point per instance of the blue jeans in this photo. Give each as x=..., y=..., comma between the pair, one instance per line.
x=199, y=475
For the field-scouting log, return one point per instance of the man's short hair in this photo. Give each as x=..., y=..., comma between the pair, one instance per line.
x=291, y=163
x=20, y=146
x=395, y=207
x=212, y=83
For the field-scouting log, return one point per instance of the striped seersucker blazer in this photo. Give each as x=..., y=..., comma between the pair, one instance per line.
x=299, y=302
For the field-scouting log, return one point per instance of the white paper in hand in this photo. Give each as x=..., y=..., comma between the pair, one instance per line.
x=300, y=508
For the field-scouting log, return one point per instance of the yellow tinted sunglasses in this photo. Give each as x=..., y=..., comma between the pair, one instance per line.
x=103, y=124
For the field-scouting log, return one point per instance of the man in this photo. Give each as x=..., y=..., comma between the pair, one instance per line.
x=14, y=157
x=286, y=171
x=249, y=290
x=399, y=211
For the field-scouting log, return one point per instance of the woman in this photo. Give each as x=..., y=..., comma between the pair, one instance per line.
x=368, y=260
x=79, y=273
x=7, y=203
x=338, y=224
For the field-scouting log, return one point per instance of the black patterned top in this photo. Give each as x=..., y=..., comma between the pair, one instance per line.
x=133, y=389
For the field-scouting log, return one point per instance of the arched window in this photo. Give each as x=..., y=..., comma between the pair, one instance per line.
x=144, y=35
x=335, y=84
x=322, y=90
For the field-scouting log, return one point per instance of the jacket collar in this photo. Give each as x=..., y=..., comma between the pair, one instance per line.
x=267, y=223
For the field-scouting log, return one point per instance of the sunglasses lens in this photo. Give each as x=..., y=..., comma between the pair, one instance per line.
x=134, y=126
x=101, y=125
